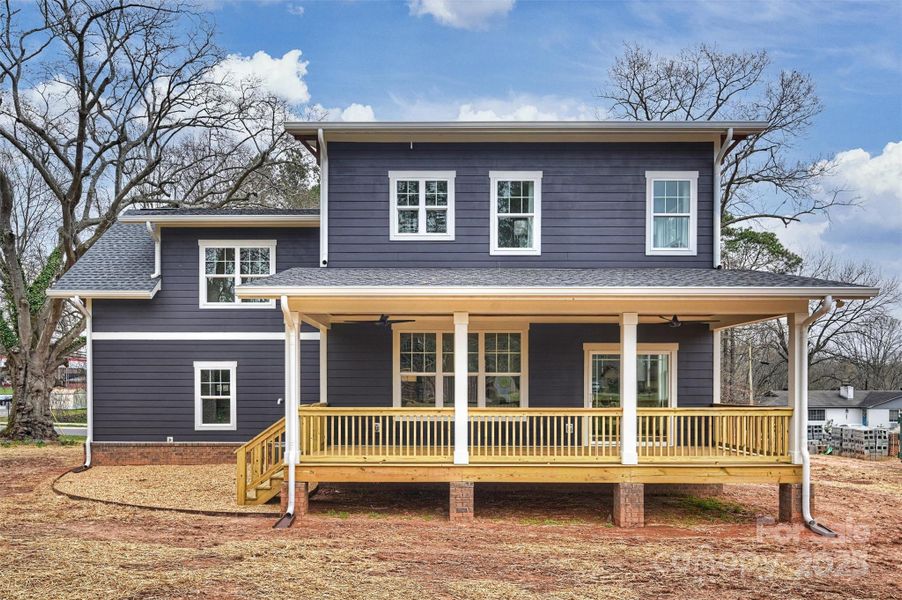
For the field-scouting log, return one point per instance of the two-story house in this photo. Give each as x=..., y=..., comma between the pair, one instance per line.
x=472, y=302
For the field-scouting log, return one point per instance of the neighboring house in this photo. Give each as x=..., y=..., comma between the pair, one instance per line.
x=845, y=406
x=529, y=302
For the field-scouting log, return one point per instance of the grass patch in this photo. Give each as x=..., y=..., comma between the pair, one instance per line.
x=63, y=440
x=71, y=415
x=712, y=508
x=551, y=522
x=338, y=514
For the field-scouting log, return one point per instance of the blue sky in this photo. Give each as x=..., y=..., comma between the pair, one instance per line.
x=516, y=59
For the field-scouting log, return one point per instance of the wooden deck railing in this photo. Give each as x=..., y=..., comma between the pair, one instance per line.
x=544, y=435
x=427, y=435
x=691, y=435
x=259, y=459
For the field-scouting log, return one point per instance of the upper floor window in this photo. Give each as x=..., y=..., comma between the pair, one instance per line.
x=671, y=213
x=516, y=225
x=224, y=265
x=422, y=205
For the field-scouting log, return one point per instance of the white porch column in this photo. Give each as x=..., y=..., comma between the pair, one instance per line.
x=323, y=364
x=461, y=387
x=715, y=389
x=628, y=387
x=797, y=351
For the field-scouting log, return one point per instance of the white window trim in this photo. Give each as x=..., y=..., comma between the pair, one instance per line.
x=421, y=176
x=232, y=367
x=589, y=349
x=536, y=178
x=523, y=330
x=237, y=245
x=650, y=178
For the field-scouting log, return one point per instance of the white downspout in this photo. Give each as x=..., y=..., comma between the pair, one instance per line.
x=86, y=309
x=826, y=306
x=155, y=234
x=290, y=455
x=716, y=194
x=323, y=198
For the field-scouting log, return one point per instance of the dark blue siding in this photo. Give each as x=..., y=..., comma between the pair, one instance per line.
x=144, y=391
x=176, y=305
x=593, y=202
x=557, y=359
x=359, y=365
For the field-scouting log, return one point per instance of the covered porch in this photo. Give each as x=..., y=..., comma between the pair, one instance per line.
x=460, y=408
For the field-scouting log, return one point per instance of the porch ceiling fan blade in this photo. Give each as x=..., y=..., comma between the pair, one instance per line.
x=385, y=321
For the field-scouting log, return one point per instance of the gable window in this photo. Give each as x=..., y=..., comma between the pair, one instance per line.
x=516, y=213
x=671, y=213
x=655, y=375
x=224, y=265
x=422, y=205
x=424, y=373
x=214, y=396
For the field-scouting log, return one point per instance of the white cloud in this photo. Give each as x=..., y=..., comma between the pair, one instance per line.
x=872, y=230
x=358, y=112
x=461, y=14
x=514, y=107
x=295, y=9
x=282, y=77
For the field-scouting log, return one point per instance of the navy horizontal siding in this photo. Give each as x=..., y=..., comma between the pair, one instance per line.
x=593, y=202
x=176, y=307
x=144, y=391
x=359, y=365
x=557, y=360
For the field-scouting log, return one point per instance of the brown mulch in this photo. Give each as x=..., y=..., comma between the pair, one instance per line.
x=395, y=542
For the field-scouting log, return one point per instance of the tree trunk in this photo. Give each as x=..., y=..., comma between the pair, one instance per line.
x=30, y=417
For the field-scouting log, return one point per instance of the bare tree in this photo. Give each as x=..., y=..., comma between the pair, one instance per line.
x=874, y=353
x=759, y=180
x=105, y=105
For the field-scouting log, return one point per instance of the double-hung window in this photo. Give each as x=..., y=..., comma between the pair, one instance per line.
x=655, y=375
x=224, y=265
x=214, y=396
x=424, y=375
x=671, y=213
x=422, y=205
x=516, y=213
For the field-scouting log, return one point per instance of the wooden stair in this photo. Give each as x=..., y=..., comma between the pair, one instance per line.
x=260, y=467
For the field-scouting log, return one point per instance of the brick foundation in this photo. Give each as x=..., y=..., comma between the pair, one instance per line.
x=791, y=502
x=629, y=505
x=159, y=453
x=461, y=501
x=301, y=498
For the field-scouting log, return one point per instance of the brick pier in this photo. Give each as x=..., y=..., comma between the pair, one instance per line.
x=461, y=501
x=629, y=504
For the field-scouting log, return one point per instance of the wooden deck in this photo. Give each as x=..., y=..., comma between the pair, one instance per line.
x=675, y=445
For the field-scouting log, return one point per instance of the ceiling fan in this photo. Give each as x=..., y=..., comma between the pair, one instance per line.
x=675, y=322
x=385, y=321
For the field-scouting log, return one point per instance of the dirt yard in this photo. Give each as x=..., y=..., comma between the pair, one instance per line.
x=395, y=543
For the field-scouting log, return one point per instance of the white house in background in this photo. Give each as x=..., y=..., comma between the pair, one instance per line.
x=846, y=406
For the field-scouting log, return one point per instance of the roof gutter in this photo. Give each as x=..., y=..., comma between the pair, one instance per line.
x=106, y=294
x=223, y=220
x=827, y=305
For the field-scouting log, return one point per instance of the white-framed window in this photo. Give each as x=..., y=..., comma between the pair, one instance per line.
x=424, y=368
x=817, y=414
x=893, y=416
x=422, y=205
x=226, y=264
x=656, y=375
x=516, y=213
x=671, y=213
x=215, y=398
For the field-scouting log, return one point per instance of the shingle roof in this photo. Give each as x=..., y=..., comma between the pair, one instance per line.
x=541, y=278
x=832, y=399
x=218, y=212
x=122, y=260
